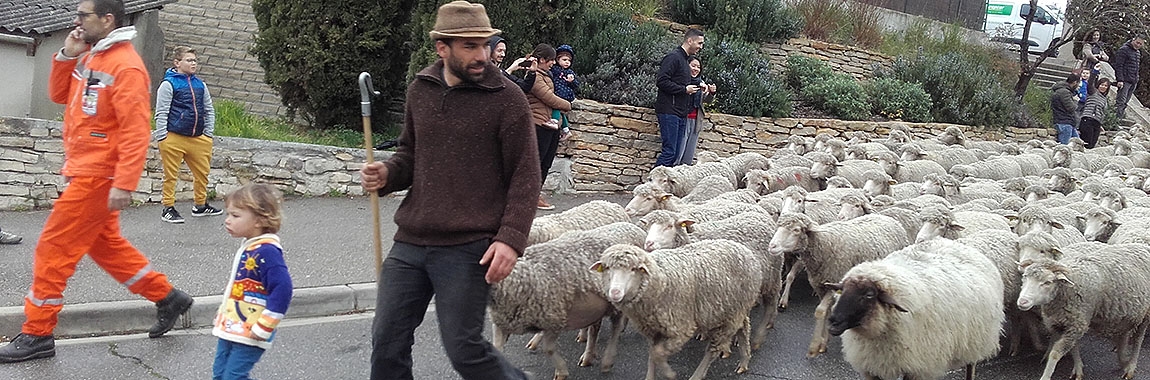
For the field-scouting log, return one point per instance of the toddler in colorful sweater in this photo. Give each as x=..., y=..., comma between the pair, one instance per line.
x=259, y=289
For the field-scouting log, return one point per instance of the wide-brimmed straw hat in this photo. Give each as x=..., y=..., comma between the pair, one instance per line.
x=461, y=19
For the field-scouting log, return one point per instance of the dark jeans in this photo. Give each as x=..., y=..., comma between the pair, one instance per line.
x=1124, y=94
x=234, y=361
x=411, y=276
x=671, y=130
x=548, y=144
x=1089, y=129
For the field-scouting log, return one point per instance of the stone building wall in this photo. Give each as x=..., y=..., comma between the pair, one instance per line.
x=221, y=32
x=612, y=148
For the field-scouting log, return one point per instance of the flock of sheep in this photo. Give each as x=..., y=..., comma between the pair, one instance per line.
x=922, y=253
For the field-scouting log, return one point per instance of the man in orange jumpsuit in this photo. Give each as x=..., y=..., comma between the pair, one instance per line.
x=104, y=86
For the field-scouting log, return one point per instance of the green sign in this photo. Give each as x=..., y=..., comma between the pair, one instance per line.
x=999, y=9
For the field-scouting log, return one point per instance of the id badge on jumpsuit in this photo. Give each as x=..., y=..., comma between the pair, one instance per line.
x=91, y=96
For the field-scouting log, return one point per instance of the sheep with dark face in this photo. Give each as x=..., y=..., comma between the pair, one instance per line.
x=672, y=295
x=1094, y=287
x=891, y=310
x=829, y=250
x=751, y=229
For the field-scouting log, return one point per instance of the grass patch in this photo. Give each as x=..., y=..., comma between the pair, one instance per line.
x=233, y=121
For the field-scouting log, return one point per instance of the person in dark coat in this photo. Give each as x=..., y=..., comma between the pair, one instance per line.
x=1126, y=64
x=673, y=101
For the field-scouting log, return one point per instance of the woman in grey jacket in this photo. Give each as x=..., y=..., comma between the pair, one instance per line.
x=1094, y=113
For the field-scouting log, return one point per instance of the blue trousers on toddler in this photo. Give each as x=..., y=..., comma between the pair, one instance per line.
x=234, y=361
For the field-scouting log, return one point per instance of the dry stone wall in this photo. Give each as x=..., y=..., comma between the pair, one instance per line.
x=612, y=148
x=859, y=63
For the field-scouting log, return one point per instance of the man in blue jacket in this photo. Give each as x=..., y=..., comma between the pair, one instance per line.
x=673, y=101
x=1126, y=64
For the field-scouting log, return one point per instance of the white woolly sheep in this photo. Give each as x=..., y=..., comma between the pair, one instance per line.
x=838, y=182
x=952, y=136
x=1002, y=248
x=744, y=162
x=946, y=158
x=997, y=168
x=1037, y=218
x=782, y=159
x=671, y=295
x=706, y=156
x=836, y=148
x=752, y=229
x=799, y=144
x=1060, y=180
x=941, y=222
x=579, y=218
x=708, y=188
x=550, y=291
x=680, y=180
x=1131, y=230
x=920, y=311
x=907, y=171
x=820, y=206
x=829, y=250
x=775, y=179
x=826, y=166
x=878, y=182
x=854, y=206
x=1101, y=288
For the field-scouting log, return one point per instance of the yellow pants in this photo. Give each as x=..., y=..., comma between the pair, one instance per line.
x=197, y=152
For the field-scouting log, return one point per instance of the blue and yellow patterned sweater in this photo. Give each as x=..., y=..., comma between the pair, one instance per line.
x=257, y=295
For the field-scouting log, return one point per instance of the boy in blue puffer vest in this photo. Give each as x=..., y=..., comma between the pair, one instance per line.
x=185, y=122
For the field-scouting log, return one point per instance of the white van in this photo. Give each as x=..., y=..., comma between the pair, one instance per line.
x=1005, y=20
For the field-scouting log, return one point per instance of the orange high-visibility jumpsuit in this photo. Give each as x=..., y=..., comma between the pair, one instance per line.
x=106, y=132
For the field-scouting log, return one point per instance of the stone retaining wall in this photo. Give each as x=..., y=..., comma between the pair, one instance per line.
x=859, y=63
x=612, y=148
x=32, y=152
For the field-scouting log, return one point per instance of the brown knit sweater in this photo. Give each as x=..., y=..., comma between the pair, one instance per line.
x=470, y=157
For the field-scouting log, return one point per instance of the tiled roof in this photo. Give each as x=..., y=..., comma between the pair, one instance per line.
x=46, y=16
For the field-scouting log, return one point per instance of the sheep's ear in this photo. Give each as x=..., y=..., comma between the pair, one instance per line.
x=955, y=227
x=1012, y=218
x=1080, y=218
x=886, y=298
x=1025, y=263
x=1056, y=225
x=1055, y=253
x=643, y=268
x=664, y=197
x=598, y=267
x=836, y=286
x=811, y=200
x=1061, y=276
x=922, y=155
x=892, y=182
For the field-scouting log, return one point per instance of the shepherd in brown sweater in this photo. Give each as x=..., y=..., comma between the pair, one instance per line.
x=469, y=155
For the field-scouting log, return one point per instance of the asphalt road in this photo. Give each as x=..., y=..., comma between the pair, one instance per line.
x=339, y=348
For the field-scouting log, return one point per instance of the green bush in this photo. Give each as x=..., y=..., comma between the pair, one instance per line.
x=898, y=100
x=1037, y=102
x=750, y=20
x=312, y=53
x=962, y=89
x=744, y=80
x=803, y=70
x=524, y=23
x=839, y=95
x=618, y=58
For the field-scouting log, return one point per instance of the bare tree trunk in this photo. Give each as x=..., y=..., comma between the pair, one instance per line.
x=1025, y=67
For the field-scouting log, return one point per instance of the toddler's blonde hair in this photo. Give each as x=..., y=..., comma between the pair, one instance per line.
x=263, y=200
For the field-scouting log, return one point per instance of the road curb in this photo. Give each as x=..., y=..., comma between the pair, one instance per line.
x=133, y=316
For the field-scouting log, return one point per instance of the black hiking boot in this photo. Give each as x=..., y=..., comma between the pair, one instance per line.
x=28, y=347
x=168, y=311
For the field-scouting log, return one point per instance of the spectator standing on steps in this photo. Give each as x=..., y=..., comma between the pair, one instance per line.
x=1064, y=108
x=1094, y=113
x=673, y=99
x=103, y=85
x=1093, y=53
x=464, y=123
x=544, y=102
x=185, y=124
x=1126, y=62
